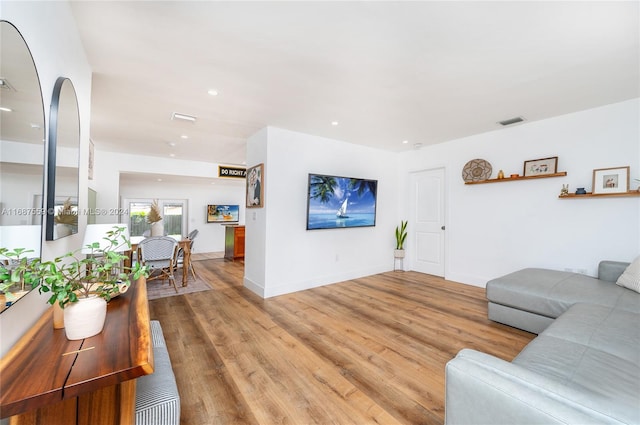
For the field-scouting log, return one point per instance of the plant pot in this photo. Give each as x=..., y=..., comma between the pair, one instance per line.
x=398, y=253
x=84, y=318
x=62, y=230
x=157, y=228
x=58, y=316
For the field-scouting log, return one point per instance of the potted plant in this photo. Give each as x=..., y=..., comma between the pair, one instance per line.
x=66, y=220
x=154, y=218
x=17, y=271
x=401, y=236
x=82, y=286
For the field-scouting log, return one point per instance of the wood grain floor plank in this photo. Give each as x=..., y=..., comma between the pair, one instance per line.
x=365, y=351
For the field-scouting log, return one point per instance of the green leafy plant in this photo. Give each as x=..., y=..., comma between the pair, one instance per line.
x=102, y=272
x=17, y=270
x=401, y=234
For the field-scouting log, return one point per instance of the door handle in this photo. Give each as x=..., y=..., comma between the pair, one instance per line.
x=442, y=228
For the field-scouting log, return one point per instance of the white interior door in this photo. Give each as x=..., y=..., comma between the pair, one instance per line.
x=428, y=225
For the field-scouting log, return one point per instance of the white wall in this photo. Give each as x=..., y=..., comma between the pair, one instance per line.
x=52, y=36
x=498, y=228
x=297, y=259
x=255, y=221
x=198, y=196
x=109, y=193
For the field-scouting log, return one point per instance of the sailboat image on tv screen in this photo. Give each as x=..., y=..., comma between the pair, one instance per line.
x=342, y=212
x=329, y=198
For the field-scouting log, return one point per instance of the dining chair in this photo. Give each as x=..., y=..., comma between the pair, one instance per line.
x=159, y=254
x=191, y=236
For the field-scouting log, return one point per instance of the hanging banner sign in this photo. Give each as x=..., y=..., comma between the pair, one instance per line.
x=232, y=172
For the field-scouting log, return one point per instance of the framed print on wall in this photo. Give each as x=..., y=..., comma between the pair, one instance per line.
x=255, y=186
x=611, y=180
x=541, y=167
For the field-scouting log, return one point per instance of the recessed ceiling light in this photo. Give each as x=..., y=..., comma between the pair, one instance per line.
x=185, y=117
x=172, y=144
x=404, y=142
x=159, y=180
x=172, y=155
x=334, y=123
x=184, y=136
x=3, y=109
x=213, y=92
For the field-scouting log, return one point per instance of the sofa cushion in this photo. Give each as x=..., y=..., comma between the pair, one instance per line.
x=631, y=277
x=592, y=350
x=551, y=292
x=157, y=396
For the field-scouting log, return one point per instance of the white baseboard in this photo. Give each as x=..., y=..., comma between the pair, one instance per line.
x=254, y=287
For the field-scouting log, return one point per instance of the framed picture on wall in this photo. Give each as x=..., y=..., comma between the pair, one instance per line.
x=611, y=180
x=540, y=167
x=255, y=186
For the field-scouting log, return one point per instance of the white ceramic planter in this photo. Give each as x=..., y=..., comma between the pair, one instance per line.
x=157, y=229
x=398, y=253
x=84, y=318
x=62, y=230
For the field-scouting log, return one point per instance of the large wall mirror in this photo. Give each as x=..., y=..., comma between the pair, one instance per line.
x=64, y=162
x=22, y=134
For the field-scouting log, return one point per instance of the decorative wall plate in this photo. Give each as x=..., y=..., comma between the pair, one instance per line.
x=476, y=170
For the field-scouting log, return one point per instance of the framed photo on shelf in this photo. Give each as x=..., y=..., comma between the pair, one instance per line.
x=611, y=180
x=540, y=167
x=255, y=186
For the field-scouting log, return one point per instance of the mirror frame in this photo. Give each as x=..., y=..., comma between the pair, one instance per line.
x=52, y=164
x=36, y=211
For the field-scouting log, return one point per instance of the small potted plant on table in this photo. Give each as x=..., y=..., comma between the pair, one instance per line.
x=154, y=218
x=82, y=286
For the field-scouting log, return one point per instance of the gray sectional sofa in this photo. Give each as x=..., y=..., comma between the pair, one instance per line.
x=583, y=368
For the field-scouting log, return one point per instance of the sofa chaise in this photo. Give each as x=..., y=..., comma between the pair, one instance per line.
x=582, y=368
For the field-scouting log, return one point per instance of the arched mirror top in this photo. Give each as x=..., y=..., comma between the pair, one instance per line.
x=22, y=136
x=64, y=162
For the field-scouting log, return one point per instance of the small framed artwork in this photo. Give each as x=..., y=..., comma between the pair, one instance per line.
x=611, y=180
x=540, y=167
x=255, y=186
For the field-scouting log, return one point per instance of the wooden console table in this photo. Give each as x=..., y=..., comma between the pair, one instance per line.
x=47, y=379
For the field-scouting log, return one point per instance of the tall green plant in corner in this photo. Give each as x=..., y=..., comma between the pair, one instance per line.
x=401, y=235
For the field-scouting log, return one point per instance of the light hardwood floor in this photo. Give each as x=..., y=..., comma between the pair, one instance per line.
x=365, y=351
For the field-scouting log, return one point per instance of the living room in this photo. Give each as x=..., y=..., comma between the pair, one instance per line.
x=491, y=229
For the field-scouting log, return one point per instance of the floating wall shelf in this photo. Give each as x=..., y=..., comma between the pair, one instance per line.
x=510, y=179
x=601, y=195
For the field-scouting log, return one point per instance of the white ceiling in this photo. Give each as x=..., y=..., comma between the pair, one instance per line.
x=425, y=72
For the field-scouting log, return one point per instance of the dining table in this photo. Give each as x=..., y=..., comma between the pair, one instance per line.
x=184, y=243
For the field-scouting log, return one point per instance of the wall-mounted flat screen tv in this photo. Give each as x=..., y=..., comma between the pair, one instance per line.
x=223, y=213
x=337, y=202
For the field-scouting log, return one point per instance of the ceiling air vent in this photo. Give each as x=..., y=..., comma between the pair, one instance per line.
x=511, y=121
